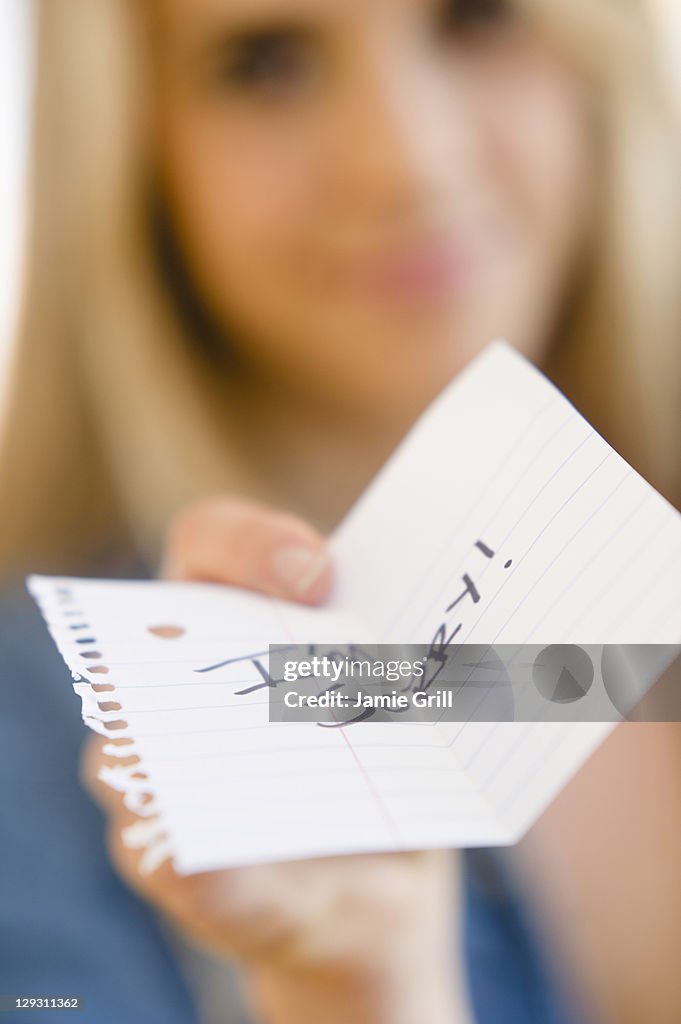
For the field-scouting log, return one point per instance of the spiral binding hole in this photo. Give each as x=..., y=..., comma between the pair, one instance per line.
x=136, y=797
x=109, y=705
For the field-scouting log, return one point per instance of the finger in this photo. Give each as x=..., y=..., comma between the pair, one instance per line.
x=92, y=760
x=248, y=545
x=169, y=892
x=188, y=900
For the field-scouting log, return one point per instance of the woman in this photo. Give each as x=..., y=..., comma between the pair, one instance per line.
x=265, y=234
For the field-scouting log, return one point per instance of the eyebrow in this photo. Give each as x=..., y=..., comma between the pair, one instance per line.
x=217, y=39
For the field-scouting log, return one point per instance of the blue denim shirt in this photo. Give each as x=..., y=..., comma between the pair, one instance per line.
x=69, y=925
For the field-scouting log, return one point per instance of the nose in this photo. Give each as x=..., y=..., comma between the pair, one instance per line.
x=402, y=137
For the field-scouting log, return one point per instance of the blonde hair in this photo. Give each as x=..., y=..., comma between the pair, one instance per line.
x=117, y=417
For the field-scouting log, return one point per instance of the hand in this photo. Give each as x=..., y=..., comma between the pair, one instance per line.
x=364, y=937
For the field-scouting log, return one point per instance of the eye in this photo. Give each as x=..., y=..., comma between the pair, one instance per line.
x=272, y=61
x=460, y=16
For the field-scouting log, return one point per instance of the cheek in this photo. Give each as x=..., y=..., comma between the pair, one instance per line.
x=543, y=154
x=242, y=199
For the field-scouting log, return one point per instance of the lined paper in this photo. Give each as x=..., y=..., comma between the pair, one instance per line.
x=503, y=517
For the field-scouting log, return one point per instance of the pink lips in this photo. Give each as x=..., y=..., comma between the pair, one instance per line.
x=419, y=272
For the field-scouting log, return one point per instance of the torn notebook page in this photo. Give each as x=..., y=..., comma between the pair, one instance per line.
x=502, y=518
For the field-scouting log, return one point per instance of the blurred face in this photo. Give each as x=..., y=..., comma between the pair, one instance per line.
x=366, y=192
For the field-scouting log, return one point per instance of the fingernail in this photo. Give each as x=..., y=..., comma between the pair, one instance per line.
x=296, y=567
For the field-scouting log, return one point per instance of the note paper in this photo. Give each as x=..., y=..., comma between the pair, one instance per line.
x=501, y=495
